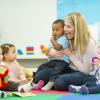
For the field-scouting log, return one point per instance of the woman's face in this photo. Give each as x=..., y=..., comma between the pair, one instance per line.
x=69, y=30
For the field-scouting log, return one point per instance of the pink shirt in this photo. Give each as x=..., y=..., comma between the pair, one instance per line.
x=16, y=72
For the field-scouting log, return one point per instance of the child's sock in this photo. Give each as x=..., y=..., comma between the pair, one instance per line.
x=84, y=90
x=2, y=94
x=74, y=89
x=48, y=86
x=39, y=85
x=26, y=87
x=29, y=86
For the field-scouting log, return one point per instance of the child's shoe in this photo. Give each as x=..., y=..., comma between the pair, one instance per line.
x=29, y=86
x=84, y=90
x=74, y=89
x=25, y=87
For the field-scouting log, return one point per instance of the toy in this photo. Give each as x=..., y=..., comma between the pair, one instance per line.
x=43, y=48
x=19, y=52
x=93, y=59
x=3, y=77
x=30, y=50
x=28, y=74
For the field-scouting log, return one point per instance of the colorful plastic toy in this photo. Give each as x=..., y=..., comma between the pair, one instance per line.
x=30, y=50
x=93, y=59
x=19, y=52
x=3, y=77
x=43, y=48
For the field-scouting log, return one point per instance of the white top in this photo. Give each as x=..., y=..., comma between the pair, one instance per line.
x=83, y=62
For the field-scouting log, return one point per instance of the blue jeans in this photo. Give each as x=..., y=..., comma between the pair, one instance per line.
x=92, y=87
x=53, y=67
x=67, y=78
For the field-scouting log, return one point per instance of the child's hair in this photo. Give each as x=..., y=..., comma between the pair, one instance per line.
x=5, y=48
x=59, y=21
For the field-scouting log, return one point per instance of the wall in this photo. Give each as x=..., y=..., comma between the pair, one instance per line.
x=26, y=22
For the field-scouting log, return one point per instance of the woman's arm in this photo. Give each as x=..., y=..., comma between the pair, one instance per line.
x=54, y=53
x=83, y=64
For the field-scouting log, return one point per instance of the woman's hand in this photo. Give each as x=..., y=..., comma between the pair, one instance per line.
x=54, y=53
x=67, y=52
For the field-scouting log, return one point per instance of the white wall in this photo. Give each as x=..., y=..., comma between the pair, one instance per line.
x=94, y=30
x=26, y=22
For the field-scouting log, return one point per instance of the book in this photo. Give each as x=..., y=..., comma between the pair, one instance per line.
x=26, y=94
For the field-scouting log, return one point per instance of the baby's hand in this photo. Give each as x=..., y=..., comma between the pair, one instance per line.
x=53, y=38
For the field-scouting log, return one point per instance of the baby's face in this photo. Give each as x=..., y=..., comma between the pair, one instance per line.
x=57, y=30
x=1, y=56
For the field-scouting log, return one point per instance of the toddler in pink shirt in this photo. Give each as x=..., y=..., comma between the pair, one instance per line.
x=16, y=75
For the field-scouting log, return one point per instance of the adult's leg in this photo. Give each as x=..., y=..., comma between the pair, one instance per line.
x=95, y=89
x=75, y=78
x=90, y=84
x=82, y=89
x=90, y=87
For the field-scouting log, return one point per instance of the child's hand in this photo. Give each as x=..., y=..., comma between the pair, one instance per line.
x=52, y=38
x=46, y=52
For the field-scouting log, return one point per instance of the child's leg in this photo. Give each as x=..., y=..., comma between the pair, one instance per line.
x=12, y=86
x=90, y=84
x=58, y=66
x=25, y=87
x=48, y=86
x=29, y=86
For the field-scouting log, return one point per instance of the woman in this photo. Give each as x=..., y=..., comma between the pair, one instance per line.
x=82, y=48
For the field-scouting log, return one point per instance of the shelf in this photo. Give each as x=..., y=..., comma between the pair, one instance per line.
x=31, y=57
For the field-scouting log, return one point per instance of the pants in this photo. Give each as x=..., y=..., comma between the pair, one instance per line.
x=56, y=68
x=93, y=87
x=12, y=86
x=66, y=78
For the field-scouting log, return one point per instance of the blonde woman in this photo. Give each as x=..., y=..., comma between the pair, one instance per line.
x=82, y=48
